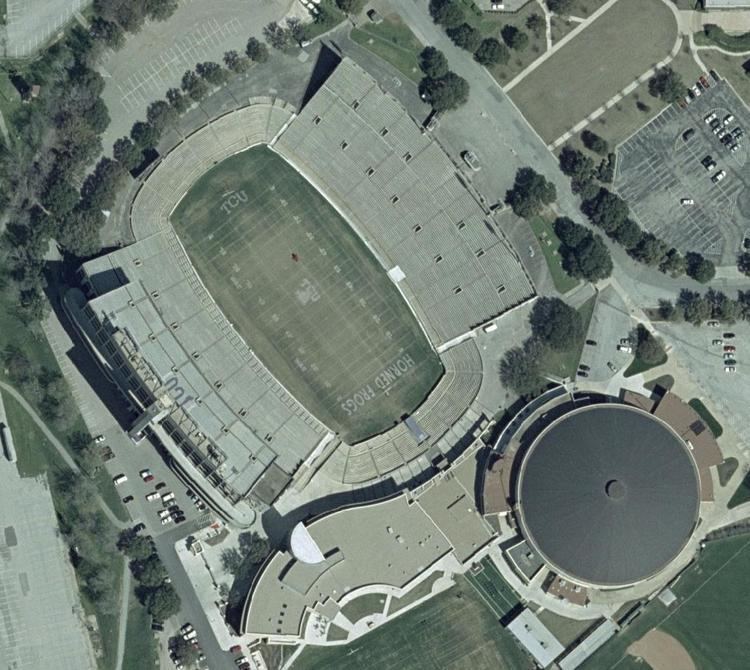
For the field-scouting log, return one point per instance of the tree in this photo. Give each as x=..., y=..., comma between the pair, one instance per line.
x=492, y=52
x=446, y=13
x=256, y=50
x=530, y=192
x=161, y=10
x=648, y=348
x=296, y=29
x=699, y=268
x=650, y=250
x=667, y=310
x=743, y=263
x=126, y=153
x=556, y=324
x=349, y=6
x=162, y=602
x=276, y=36
x=723, y=308
x=149, y=571
x=516, y=39
x=254, y=546
x=667, y=85
x=594, y=142
x=194, y=86
x=536, y=24
x=445, y=93
x=87, y=454
x=519, y=368
x=145, y=135
x=183, y=651
x=231, y=560
x=17, y=364
x=178, y=100
x=628, y=234
x=135, y=546
x=107, y=32
x=79, y=231
x=673, y=264
x=590, y=260
x=607, y=210
x=433, y=63
x=695, y=308
x=60, y=197
x=160, y=114
x=100, y=187
x=465, y=36
x=213, y=73
x=559, y=6
x=574, y=163
x=235, y=62
x=571, y=234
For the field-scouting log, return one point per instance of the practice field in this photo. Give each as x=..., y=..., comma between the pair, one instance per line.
x=306, y=294
x=452, y=631
x=620, y=45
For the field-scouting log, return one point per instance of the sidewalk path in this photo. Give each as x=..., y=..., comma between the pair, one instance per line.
x=124, y=603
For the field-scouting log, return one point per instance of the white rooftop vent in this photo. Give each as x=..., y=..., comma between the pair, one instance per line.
x=303, y=547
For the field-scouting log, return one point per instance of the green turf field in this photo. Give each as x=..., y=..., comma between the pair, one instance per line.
x=493, y=589
x=455, y=630
x=306, y=294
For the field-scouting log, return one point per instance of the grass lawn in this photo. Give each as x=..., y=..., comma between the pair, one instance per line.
x=737, y=43
x=496, y=593
x=141, y=650
x=726, y=469
x=560, y=26
x=742, y=494
x=109, y=624
x=625, y=117
x=550, y=244
x=420, y=591
x=359, y=608
x=453, y=630
x=585, y=8
x=565, y=363
x=571, y=90
x=730, y=68
x=10, y=99
x=705, y=414
x=564, y=629
x=306, y=294
x=393, y=42
x=335, y=16
x=639, y=365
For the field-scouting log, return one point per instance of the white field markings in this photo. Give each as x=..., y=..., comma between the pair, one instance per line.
x=485, y=594
x=345, y=302
x=19, y=12
x=152, y=81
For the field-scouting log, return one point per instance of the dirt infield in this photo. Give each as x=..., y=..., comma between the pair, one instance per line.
x=662, y=652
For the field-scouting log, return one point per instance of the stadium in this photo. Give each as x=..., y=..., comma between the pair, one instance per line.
x=300, y=297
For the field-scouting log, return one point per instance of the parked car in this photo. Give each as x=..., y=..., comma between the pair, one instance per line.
x=704, y=81
x=583, y=366
x=687, y=201
x=157, y=626
x=99, y=439
x=728, y=336
x=119, y=479
x=710, y=117
x=625, y=348
x=728, y=355
x=688, y=134
x=713, y=324
x=730, y=361
x=160, y=486
x=728, y=119
x=582, y=373
x=146, y=475
x=730, y=368
x=374, y=16
x=152, y=496
x=730, y=348
x=591, y=342
x=719, y=342
x=127, y=499
x=612, y=366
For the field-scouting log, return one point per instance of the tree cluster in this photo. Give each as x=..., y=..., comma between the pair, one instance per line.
x=252, y=551
x=584, y=254
x=515, y=39
x=696, y=308
x=559, y=6
x=440, y=87
x=667, y=85
x=555, y=326
x=530, y=193
x=153, y=590
x=648, y=348
x=611, y=213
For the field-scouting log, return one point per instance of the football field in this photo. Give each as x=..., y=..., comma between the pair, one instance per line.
x=306, y=294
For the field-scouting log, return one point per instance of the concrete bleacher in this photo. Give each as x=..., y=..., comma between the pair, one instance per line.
x=403, y=195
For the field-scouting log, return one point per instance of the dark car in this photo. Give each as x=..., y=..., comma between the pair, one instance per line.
x=127, y=499
x=591, y=342
x=160, y=485
x=582, y=366
x=157, y=626
x=728, y=336
x=139, y=527
x=582, y=373
x=688, y=134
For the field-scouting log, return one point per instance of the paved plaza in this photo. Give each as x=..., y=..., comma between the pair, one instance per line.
x=657, y=168
x=41, y=618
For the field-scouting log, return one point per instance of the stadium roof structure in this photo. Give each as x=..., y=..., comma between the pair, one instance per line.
x=608, y=494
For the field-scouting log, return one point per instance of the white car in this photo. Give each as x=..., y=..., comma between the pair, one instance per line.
x=730, y=368
x=166, y=520
x=695, y=89
x=714, y=324
x=717, y=342
x=718, y=176
x=152, y=496
x=99, y=439
x=710, y=117
x=728, y=119
x=119, y=479
x=625, y=348
x=729, y=355
x=687, y=201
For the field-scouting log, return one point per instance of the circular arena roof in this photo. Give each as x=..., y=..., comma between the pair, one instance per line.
x=608, y=494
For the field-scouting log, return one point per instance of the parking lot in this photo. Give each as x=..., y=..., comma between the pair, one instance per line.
x=610, y=322
x=661, y=166
x=30, y=23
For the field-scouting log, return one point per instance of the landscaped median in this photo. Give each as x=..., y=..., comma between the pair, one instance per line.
x=394, y=42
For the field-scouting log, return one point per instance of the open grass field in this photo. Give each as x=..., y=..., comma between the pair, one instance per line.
x=305, y=293
x=565, y=630
x=140, y=644
x=550, y=244
x=709, y=619
x=565, y=363
x=742, y=494
x=394, y=42
x=705, y=414
x=638, y=365
x=452, y=631
x=493, y=589
x=620, y=45
x=365, y=605
x=731, y=68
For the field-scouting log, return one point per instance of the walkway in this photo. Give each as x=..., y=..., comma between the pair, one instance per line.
x=124, y=603
x=551, y=52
